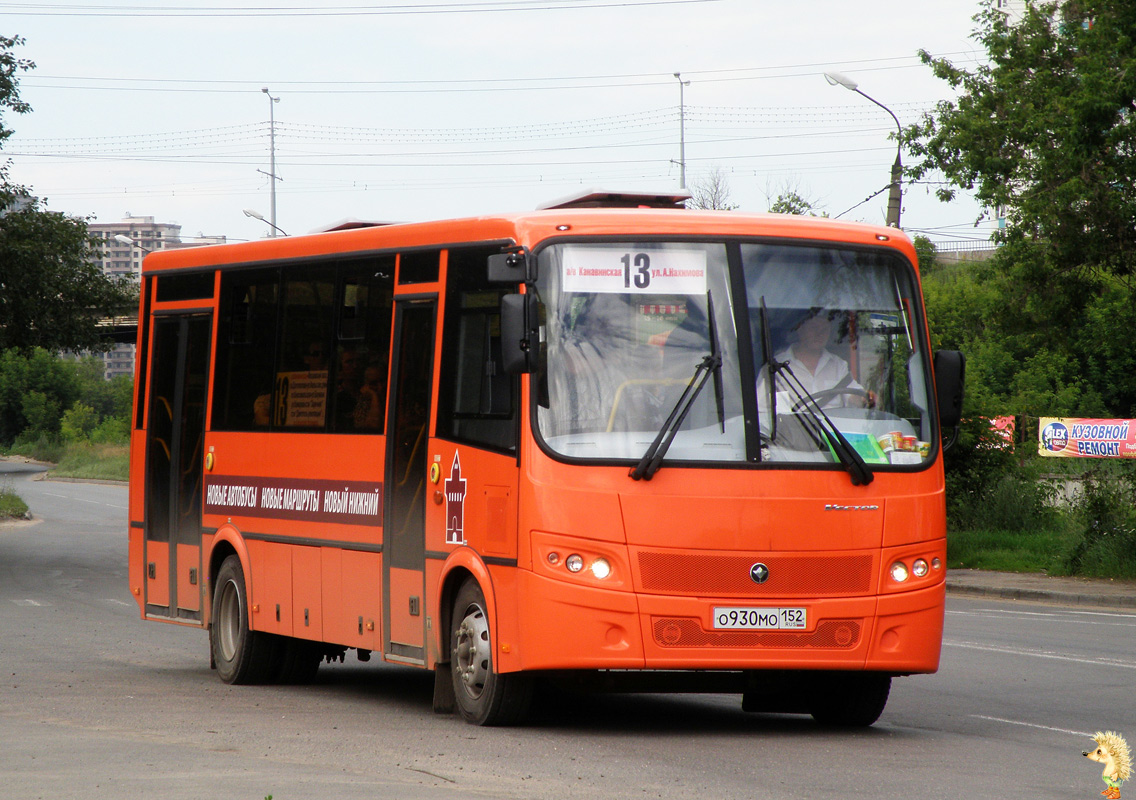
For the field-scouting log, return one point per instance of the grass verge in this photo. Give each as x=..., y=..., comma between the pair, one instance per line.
x=106, y=462
x=1044, y=550
x=11, y=506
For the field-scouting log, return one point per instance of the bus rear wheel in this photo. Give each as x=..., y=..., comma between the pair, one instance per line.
x=482, y=695
x=240, y=654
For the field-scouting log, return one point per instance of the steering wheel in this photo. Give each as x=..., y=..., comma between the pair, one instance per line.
x=820, y=398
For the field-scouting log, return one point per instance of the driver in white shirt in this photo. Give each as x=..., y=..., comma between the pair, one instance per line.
x=816, y=367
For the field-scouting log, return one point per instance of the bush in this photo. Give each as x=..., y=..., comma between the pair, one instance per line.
x=39, y=447
x=11, y=505
x=78, y=422
x=1106, y=510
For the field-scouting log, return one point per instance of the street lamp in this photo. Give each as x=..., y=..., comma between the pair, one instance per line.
x=271, y=158
x=257, y=215
x=122, y=238
x=681, y=129
x=895, y=197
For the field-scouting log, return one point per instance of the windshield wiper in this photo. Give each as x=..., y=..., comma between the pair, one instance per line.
x=649, y=464
x=820, y=425
x=710, y=365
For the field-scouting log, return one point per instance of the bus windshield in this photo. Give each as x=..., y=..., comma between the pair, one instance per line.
x=826, y=338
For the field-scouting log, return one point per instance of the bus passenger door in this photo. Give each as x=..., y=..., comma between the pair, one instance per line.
x=179, y=370
x=404, y=535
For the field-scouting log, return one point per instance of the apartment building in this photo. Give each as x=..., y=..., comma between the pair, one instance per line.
x=124, y=244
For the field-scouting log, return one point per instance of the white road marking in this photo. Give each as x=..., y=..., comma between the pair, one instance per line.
x=81, y=500
x=1110, y=619
x=1032, y=725
x=1016, y=651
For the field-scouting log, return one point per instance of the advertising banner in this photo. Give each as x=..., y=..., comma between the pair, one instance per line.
x=1087, y=438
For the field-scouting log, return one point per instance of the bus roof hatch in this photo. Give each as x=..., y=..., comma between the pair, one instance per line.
x=599, y=198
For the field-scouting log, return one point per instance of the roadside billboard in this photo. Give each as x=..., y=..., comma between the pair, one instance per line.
x=1078, y=437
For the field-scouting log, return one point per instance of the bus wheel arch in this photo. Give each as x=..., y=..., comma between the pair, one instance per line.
x=240, y=654
x=482, y=695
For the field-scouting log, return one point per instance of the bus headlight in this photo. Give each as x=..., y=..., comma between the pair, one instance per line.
x=899, y=572
x=601, y=568
x=919, y=568
x=574, y=562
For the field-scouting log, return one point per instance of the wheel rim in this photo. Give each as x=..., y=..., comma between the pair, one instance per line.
x=228, y=621
x=472, y=651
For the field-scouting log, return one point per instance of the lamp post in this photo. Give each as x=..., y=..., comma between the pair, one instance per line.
x=895, y=196
x=257, y=215
x=272, y=159
x=681, y=129
x=129, y=241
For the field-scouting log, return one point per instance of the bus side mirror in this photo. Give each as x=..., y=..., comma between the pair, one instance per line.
x=519, y=334
x=950, y=375
x=509, y=268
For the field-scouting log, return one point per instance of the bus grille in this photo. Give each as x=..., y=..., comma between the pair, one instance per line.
x=714, y=575
x=832, y=634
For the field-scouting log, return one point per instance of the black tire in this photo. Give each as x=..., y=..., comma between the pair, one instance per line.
x=242, y=656
x=482, y=696
x=298, y=661
x=852, y=700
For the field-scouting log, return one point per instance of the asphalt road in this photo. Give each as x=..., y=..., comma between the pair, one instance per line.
x=95, y=703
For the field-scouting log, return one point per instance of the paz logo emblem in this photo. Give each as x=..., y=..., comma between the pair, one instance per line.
x=759, y=572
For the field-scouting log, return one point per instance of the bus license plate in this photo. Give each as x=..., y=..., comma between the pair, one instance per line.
x=760, y=619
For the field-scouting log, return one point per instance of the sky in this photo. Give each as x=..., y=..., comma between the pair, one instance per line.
x=426, y=109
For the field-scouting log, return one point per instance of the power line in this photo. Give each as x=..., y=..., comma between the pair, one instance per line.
x=487, y=6
x=465, y=85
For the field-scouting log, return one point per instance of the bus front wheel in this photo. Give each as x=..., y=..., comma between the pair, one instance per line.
x=482, y=695
x=240, y=654
x=851, y=700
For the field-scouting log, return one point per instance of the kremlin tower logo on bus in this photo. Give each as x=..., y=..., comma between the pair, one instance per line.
x=455, y=504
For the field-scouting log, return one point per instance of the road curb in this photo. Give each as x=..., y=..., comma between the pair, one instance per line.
x=1085, y=598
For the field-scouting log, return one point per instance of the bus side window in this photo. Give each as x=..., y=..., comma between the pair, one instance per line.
x=476, y=398
x=246, y=350
x=302, y=360
x=363, y=345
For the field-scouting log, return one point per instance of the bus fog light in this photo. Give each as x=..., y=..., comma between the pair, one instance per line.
x=554, y=558
x=601, y=568
x=936, y=564
x=574, y=563
x=919, y=568
x=899, y=572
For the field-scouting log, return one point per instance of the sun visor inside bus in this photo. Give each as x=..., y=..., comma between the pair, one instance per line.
x=511, y=268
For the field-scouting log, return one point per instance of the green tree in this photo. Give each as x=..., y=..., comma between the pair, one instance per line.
x=791, y=202
x=1044, y=129
x=52, y=294
x=927, y=252
x=78, y=422
x=50, y=381
x=10, y=68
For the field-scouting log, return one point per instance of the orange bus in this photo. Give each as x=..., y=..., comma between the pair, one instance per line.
x=610, y=444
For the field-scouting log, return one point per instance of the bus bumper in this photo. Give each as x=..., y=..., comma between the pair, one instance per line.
x=566, y=626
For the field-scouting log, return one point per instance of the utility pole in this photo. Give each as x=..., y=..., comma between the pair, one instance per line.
x=681, y=129
x=272, y=160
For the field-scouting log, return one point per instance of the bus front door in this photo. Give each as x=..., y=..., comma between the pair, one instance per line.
x=404, y=520
x=179, y=370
